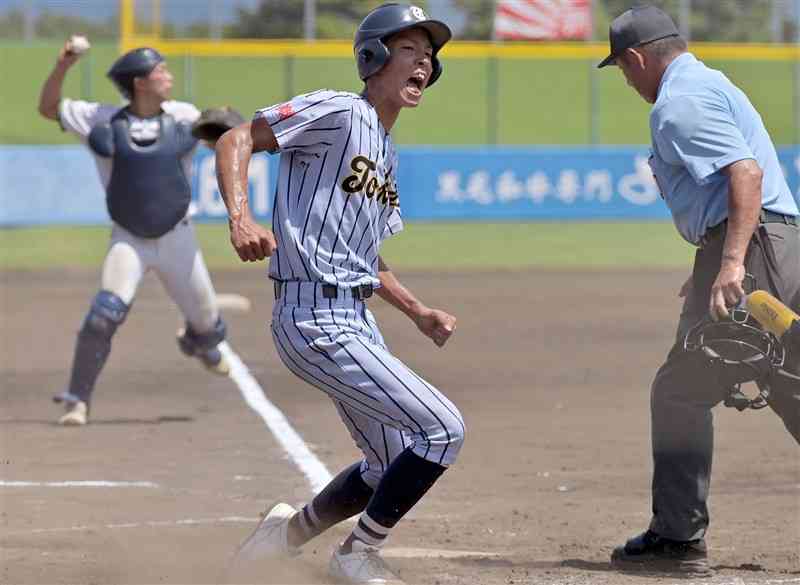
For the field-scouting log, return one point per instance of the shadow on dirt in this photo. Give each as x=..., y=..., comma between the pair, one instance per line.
x=581, y=564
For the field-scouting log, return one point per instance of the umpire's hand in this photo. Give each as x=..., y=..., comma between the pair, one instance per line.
x=727, y=290
x=251, y=240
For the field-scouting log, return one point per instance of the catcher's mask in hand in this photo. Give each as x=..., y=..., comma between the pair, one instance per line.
x=740, y=351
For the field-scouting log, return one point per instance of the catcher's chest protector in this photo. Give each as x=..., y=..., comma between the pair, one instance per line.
x=149, y=193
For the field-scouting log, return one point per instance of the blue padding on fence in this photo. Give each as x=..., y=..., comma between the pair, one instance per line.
x=59, y=184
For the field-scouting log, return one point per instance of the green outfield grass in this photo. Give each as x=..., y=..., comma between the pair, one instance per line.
x=538, y=101
x=421, y=246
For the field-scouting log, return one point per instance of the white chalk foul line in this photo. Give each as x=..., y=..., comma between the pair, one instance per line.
x=725, y=580
x=148, y=524
x=314, y=470
x=90, y=484
x=436, y=553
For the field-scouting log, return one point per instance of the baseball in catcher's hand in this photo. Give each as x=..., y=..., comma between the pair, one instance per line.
x=214, y=122
x=78, y=44
x=71, y=51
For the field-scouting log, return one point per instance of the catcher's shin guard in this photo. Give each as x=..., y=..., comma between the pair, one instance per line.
x=105, y=315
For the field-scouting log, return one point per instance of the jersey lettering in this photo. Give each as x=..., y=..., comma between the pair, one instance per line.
x=384, y=192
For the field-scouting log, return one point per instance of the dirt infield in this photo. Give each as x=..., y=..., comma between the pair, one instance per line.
x=550, y=369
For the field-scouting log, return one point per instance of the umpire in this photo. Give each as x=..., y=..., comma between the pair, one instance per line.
x=719, y=174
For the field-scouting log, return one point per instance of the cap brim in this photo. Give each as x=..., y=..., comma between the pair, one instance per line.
x=607, y=61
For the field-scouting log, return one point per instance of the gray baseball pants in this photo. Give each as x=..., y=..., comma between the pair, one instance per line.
x=685, y=390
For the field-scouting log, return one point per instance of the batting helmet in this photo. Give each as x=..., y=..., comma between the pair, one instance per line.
x=136, y=63
x=383, y=22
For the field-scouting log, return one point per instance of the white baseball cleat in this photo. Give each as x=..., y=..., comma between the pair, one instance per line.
x=363, y=566
x=270, y=540
x=77, y=414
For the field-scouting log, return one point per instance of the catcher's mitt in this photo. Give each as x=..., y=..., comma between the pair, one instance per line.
x=214, y=122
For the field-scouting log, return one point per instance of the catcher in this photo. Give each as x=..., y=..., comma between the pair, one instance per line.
x=143, y=153
x=720, y=176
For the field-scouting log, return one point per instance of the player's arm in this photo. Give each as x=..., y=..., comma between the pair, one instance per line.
x=436, y=324
x=50, y=95
x=234, y=149
x=744, y=206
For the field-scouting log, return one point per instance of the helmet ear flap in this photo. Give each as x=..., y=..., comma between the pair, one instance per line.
x=365, y=55
x=436, y=70
x=371, y=56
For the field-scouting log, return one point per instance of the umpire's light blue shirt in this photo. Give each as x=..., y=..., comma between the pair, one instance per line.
x=700, y=124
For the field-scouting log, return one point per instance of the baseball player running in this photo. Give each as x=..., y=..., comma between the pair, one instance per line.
x=143, y=155
x=336, y=201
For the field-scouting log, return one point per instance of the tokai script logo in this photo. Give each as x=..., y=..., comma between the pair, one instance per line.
x=363, y=180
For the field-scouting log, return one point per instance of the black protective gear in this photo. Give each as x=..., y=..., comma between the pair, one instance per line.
x=148, y=192
x=214, y=122
x=194, y=344
x=791, y=341
x=739, y=351
x=105, y=315
x=369, y=44
x=136, y=63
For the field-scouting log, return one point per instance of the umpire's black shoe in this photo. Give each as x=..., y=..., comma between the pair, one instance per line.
x=649, y=552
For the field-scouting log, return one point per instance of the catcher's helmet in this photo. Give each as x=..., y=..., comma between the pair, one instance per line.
x=136, y=63
x=383, y=22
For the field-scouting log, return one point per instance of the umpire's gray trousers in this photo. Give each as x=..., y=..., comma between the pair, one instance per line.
x=684, y=392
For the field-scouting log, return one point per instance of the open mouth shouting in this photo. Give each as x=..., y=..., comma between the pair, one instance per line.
x=416, y=83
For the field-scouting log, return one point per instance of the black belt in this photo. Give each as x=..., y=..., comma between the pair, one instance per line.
x=331, y=291
x=766, y=216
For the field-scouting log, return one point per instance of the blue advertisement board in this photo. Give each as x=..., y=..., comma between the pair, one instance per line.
x=59, y=184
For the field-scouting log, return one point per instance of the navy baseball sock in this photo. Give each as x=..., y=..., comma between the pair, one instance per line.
x=403, y=484
x=346, y=495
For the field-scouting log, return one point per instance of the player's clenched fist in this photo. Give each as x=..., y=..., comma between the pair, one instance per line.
x=251, y=240
x=436, y=324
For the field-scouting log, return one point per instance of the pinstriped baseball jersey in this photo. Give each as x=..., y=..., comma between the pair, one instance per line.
x=336, y=199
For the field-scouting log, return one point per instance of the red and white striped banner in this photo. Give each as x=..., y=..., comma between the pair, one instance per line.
x=517, y=20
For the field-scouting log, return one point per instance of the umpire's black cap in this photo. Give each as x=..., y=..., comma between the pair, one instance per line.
x=638, y=26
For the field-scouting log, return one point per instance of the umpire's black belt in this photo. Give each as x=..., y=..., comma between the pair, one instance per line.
x=766, y=216
x=320, y=290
